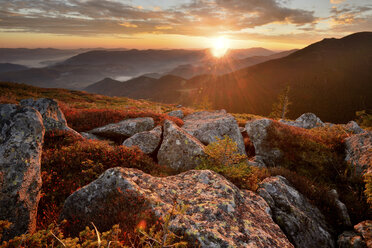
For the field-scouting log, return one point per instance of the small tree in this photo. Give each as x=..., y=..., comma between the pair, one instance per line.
x=281, y=108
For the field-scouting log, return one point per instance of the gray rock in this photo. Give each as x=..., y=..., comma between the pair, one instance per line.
x=307, y=120
x=53, y=117
x=359, y=152
x=176, y=113
x=341, y=209
x=365, y=229
x=206, y=126
x=352, y=126
x=258, y=134
x=179, y=150
x=90, y=136
x=147, y=141
x=217, y=214
x=21, y=137
x=303, y=223
x=125, y=128
x=351, y=239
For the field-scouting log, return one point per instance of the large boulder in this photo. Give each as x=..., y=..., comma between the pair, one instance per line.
x=257, y=130
x=125, y=128
x=176, y=113
x=206, y=126
x=217, y=214
x=353, y=127
x=359, y=152
x=304, y=224
x=360, y=237
x=147, y=141
x=179, y=150
x=307, y=120
x=53, y=117
x=21, y=137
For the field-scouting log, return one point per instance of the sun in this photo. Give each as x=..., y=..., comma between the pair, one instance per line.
x=220, y=46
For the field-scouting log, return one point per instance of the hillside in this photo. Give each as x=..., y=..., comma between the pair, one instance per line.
x=6, y=67
x=331, y=78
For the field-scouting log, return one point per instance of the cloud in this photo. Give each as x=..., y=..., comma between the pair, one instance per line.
x=337, y=1
x=103, y=17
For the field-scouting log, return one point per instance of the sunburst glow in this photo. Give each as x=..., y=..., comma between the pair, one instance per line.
x=220, y=46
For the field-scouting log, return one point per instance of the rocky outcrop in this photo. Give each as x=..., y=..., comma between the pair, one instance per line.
x=359, y=152
x=206, y=126
x=303, y=223
x=147, y=141
x=53, y=117
x=217, y=214
x=307, y=120
x=21, y=137
x=90, y=136
x=257, y=130
x=179, y=150
x=176, y=113
x=125, y=128
x=342, y=213
x=361, y=237
x=353, y=127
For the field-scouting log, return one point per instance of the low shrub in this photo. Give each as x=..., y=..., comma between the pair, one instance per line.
x=222, y=157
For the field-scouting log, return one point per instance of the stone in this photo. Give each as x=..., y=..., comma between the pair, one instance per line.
x=179, y=150
x=217, y=213
x=341, y=209
x=176, y=113
x=53, y=117
x=353, y=127
x=125, y=128
x=351, y=239
x=21, y=137
x=359, y=152
x=304, y=224
x=147, y=141
x=257, y=130
x=90, y=136
x=206, y=126
x=307, y=120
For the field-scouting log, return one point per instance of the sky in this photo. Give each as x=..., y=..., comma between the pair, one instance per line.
x=189, y=24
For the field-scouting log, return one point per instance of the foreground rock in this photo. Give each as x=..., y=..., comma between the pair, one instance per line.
x=179, y=150
x=266, y=154
x=303, y=224
x=307, y=120
x=125, y=128
x=147, y=141
x=206, y=126
x=218, y=214
x=21, y=138
x=340, y=207
x=176, y=113
x=361, y=237
x=53, y=117
x=359, y=152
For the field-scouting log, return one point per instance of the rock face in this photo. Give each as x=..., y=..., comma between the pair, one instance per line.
x=176, y=113
x=206, y=126
x=342, y=213
x=21, y=138
x=125, y=128
x=146, y=141
x=352, y=126
x=307, y=120
x=361, y=237
x=179, y=150
x=53, y=118
x=303, y=224
x=217, y=214
x=257, y=132
x=359, y=152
